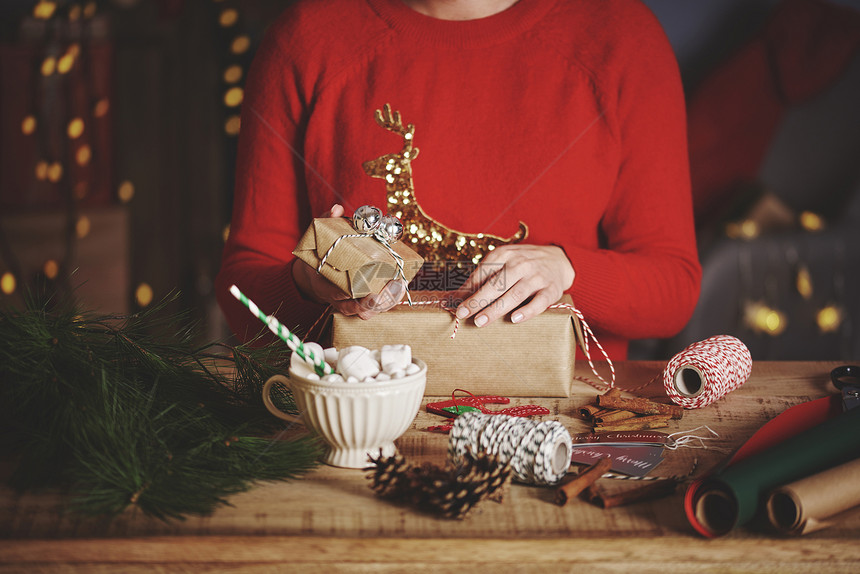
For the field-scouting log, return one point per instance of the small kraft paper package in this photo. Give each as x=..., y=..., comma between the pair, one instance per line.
x=534, y=358
x=359, y=264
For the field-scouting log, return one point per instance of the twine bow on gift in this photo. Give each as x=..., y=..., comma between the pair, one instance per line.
x=386, y=229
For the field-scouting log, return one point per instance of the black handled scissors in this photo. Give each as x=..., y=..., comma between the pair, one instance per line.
x=846, y=378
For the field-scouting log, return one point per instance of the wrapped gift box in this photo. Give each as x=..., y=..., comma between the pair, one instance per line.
x=534, y=358
x=358, y=265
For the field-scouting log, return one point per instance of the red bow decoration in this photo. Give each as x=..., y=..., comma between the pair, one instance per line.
x=457, y=406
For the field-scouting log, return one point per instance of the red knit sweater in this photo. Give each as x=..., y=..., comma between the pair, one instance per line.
x=565, y=114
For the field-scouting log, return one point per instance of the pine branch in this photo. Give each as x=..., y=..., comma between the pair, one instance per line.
x=128, y=418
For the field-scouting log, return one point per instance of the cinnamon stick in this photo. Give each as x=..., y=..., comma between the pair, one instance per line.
x=637, y=423
x=641, y=405
x=650, y=491
x=612, y=416
x=588, y=411
x=582, y=481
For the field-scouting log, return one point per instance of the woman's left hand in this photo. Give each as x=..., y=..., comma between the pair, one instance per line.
x=509, y=276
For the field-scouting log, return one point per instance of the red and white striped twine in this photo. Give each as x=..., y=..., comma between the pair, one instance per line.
x=706, y=371
x=589, y=334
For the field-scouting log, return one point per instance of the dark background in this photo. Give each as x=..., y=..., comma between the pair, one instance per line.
x=168, y=132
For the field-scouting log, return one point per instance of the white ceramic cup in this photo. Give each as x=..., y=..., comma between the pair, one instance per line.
x=354, y=419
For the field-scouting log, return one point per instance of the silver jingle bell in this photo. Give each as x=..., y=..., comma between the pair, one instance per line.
x=390, y=229
x=366, y=218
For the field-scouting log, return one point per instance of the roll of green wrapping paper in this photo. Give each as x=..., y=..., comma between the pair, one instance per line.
x=732, y=497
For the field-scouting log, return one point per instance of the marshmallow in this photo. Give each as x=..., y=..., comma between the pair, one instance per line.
x=412, y=369
x=398, y=374
x=383, y=377
x=312, y=377
x=350, y=349
x=395, y=358
x=333, y=378
x=351, y=380
x=330, y=356
x=357, y=362
x=295, y=360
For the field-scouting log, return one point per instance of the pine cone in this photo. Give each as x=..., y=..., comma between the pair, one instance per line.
x=450, y=491
x=389, y=475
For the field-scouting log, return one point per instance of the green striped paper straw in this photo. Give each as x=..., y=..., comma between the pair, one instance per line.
x=275, y=326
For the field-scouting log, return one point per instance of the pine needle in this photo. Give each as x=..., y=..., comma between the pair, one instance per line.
x=127, y=412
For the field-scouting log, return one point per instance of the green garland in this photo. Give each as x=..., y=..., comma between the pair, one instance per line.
x=125, y=418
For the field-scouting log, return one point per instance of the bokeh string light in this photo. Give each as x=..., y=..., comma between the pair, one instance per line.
x=59, y=133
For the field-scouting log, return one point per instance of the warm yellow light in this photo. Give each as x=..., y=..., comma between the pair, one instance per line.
x=28, y=125
x=811, y=221
x=83, y=155
x=240, y=45
x=764, y=319
x=125, y=192
x=7, y=283
x=746, y=229
x=804, y=283
x=233, y=74
x=65, y=63
x=228, y=17
x=749, y=229
x=42, y=170
x=773, y=321
x=55, y=172
x=49, y=64
x=73, y=50
x=233, y=97
x=233, y=125
x=44, y=10
x=51, y=269
x=101, y=108
x=143, y=294
x=83, y=226
x=829, y=319
x=74, y=13
x=90, y=9
x=75, y=128
x=225, y=233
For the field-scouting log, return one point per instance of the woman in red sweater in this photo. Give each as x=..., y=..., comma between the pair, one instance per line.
x=565, y=115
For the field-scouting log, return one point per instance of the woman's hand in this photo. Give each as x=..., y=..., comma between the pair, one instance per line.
x=315, y=286
x=511, y=275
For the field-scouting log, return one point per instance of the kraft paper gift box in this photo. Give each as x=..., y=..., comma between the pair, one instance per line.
x=534, y=358
x=358, y=265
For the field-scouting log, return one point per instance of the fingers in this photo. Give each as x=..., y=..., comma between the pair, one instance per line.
x=335, y=211
x=374, y=304
x=538, y=304
x=522, y=280
x=485, y=285
x=490, y=265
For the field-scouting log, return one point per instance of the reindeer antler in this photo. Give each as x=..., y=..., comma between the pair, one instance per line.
x=391, y=121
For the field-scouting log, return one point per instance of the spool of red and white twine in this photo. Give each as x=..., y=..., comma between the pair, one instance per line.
x=707, y=371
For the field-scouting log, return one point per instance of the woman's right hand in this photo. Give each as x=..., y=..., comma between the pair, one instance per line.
x=314, y=286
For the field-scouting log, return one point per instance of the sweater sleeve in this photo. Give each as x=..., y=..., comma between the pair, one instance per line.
x=644, y=281
x=270, y=211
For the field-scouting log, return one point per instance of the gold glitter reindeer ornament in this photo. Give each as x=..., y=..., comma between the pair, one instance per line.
x=431, y=239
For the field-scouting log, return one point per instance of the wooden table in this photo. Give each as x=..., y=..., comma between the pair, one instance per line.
x=332, y=521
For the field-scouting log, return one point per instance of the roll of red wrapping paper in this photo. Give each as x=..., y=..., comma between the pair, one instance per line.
x=803, y=440
x=706, y=371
